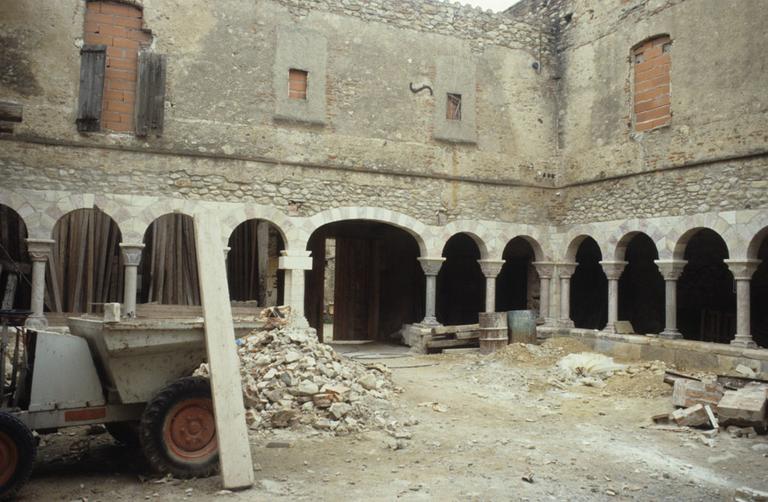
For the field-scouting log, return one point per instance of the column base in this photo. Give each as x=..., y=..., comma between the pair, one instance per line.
x=36, y=322
x=609, y=328
x=428, y=322
x=744, y=341
x=566, y=323
x=672, y=334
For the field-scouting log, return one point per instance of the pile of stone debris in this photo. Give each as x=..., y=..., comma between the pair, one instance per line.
x=291, y=379
x=735, y=403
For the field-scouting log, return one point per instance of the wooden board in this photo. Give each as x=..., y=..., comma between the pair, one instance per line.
x=231, y=430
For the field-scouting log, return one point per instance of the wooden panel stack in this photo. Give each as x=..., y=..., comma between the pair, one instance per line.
x=168, y=266
x=86, y=264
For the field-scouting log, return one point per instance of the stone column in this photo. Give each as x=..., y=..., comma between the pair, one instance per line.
x=131, y=260
x=295, y=263
x=39, y=251
x=565, y=271
x=490, y=269
x=742, y=271
x=544, y=269
x=431, y=267
x=613, y=271
x=670, y=270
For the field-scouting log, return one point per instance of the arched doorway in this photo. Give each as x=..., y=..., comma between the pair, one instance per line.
x=460, y=283
x=15, y=266
x=706, y=299
x=517, y=285
x=589, y=287
x=641, y=286
x=366, y=281
x=252, y=263
x=168, y=268
x=759, y=292
x=86, y=265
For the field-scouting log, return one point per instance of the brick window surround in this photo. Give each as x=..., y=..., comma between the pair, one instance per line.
x=651, y=60
x=297, y=84
x=119, y=26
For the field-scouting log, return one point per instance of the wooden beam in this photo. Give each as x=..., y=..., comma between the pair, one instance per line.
x=224, y=364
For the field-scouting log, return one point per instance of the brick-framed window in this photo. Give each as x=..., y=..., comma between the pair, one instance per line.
x=297, y=84
x=651, y=61
x=453, y=106
x=119, y=27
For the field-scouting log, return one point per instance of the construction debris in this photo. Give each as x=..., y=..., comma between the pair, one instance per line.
x=290, y=379
x=745, y=407
x=694, y=416
x=687, y=393
x=587, y=368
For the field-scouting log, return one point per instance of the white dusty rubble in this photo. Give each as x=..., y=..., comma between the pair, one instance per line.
x=290, y=379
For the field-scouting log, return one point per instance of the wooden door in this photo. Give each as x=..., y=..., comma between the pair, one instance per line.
x=356, y=302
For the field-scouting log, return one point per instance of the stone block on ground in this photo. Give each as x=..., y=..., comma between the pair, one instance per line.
x=694, y=416
x=687, y=393
x=745, y=407
x=749, y=495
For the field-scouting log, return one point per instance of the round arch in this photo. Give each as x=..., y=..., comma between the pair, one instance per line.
x=380, y=215
x=460, y=282
x=620, y=251
x=755, y=243
x=681, y=244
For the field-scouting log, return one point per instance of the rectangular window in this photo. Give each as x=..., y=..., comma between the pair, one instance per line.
x=453, y=107
x=652, y=97
x=297, y=84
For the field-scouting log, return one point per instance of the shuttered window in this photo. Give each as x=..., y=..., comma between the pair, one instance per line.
x=92, y=63
x=150, y=94
x=453, y=107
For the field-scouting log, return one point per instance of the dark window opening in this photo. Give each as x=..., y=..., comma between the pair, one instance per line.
x=453, y=108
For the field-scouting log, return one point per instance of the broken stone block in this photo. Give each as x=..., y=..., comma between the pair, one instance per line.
x=338, y=410
x=745, y=407
x=687, y=393
x=749, y=495
x=694, y=416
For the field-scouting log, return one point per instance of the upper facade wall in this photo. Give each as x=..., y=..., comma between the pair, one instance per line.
x=225, y=66
x=718, y=76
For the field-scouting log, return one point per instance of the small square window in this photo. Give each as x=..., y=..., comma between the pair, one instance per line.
x=297, y=84
x=453, y=107
x=639, y=58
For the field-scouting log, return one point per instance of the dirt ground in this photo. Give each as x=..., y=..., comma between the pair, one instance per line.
x=470, y=428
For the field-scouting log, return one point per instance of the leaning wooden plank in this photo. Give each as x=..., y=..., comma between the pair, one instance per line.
x=234, y=447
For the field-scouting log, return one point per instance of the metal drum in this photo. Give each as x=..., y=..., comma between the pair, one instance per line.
x=493, y=332
x=522, y=326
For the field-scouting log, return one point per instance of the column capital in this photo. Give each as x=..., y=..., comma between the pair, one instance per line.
x=490, y=268
x=131, y=253
x=298, y=259
x=431, y=265
x=545, y=269
x=670, y=269
x=613, y=269
x=565, y=270
x=40, y=249
x=742, y=270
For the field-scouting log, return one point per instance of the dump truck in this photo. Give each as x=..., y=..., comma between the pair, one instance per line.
x=133, y=376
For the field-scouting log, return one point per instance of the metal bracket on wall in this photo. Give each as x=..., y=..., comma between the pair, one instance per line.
x=416, y=91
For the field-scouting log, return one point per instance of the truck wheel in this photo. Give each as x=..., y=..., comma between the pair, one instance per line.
x=17, y=455
x=126, y=433
x=178, y=430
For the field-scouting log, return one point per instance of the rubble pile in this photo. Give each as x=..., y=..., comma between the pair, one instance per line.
x=289, y=378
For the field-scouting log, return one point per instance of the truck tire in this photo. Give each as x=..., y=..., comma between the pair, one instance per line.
x=17, y=455
x=126, y=433
x=178, y=430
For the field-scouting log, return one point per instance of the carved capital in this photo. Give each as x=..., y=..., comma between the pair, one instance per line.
x=131, y=253
x=431, y=266
x=40, y=249
x=545, y=269
x=613, y=269
x=742, y=270
x=566, y=270
x=670, y=269
x=490, y=268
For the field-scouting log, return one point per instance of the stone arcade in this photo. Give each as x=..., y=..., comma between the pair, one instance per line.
x=594, y=161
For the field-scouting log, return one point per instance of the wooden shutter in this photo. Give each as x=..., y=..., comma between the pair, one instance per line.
x=150, y=94
x=93, y=59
